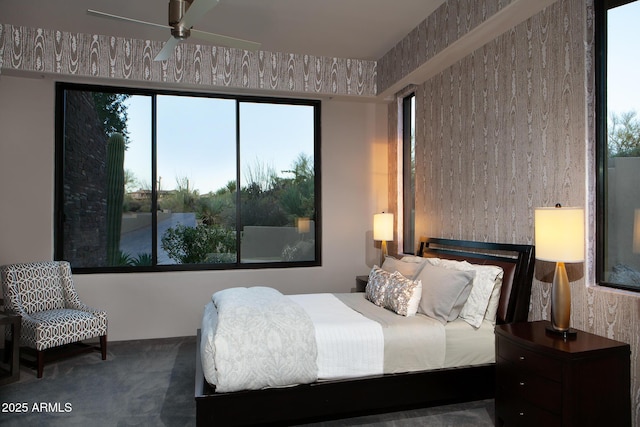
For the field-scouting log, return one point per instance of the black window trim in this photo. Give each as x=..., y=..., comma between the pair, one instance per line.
x=601, y=7
x=408, y=237
x=62, y=87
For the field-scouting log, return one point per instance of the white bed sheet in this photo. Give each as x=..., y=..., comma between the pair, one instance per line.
x=349, y=344
x=466, y=345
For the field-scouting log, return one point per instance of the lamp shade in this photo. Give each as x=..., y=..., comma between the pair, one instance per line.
x=383, y=226
x=559, y=234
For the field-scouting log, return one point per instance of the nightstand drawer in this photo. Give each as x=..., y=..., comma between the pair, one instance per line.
x=527, y=386
x=514, y=411
x=530, y=360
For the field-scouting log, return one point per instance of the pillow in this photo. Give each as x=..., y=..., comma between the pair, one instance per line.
x=485, y=281
x=413, y=258
x=393, y=291
x=409, y=269
x=402, y=296
x=377, y=284
x=494, y=301
x=444, y=291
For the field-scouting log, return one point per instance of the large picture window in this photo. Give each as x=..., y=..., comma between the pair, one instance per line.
x=618, y=141
x=152, y=181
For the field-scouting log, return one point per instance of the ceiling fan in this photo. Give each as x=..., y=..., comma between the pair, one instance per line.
x=183, y=14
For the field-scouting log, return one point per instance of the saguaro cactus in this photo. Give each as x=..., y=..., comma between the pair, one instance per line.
x=115, y=195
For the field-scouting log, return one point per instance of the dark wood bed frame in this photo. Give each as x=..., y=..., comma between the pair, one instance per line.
x=382, y=393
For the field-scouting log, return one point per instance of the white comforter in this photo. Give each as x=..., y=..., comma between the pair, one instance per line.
x=257, y=338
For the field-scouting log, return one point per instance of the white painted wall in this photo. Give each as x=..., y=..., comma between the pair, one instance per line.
x=152, y=305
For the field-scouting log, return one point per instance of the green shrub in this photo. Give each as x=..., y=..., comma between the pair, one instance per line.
x=195, y=245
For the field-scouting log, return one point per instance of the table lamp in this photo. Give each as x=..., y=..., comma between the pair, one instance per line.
x=383, y=231
x=559, y=238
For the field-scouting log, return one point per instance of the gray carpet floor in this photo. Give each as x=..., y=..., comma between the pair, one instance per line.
x=151, y=383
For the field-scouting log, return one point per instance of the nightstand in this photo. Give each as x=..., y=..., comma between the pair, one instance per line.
x=361, y=283
x=545, y=380
x=10, y=366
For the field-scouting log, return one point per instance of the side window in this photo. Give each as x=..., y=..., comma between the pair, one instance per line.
x=618, y=138
x=409, y=173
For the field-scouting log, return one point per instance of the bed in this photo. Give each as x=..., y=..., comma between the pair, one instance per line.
x=454, y=381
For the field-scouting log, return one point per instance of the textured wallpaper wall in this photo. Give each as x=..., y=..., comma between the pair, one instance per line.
x=509, y=128
x=448, y=23
x=202, y=67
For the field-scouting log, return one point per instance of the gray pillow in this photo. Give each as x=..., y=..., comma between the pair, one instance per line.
x=444, y=291
x=409, y=269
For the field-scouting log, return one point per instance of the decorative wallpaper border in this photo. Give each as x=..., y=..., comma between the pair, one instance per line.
x=202, y=66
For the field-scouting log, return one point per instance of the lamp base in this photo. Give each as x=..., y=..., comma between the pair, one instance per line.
x=569, y=334
x=560, y=300
x=383, y=252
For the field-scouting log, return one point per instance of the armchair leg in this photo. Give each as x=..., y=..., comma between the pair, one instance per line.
x=40, y=362
x=103, y=346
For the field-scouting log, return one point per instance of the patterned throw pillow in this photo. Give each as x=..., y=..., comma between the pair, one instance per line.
x=377, y=284
x=393, y=291
x=403, y=295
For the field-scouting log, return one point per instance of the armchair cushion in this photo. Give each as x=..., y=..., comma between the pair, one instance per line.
x=52, y=328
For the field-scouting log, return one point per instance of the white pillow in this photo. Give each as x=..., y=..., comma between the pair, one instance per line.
x=494, y=301
x=484, y=283
x=409, y=269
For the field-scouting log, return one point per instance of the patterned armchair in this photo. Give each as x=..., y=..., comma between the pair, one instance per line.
x=52, y=314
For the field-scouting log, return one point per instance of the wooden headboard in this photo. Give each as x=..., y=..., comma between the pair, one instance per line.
x=517, y=261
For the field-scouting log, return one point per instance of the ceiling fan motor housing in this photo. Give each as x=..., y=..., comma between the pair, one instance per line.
x=177, y=9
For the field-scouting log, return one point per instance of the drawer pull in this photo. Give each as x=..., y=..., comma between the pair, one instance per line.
x=522, y=383
x=522, y=358
x=521, y=414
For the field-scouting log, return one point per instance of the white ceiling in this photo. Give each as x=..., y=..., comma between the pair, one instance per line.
x=358, y=29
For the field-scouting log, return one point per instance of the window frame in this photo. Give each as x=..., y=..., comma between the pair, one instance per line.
x=408, y=196
x=59, y=216
x=601, y=8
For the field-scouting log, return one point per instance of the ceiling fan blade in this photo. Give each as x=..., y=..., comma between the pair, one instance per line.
x=124, y=18
x=167, y=49
x=226, y=41
x=196, y=11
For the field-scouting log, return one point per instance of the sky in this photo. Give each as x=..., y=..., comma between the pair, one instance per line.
x=623, y=79
x=196, y=139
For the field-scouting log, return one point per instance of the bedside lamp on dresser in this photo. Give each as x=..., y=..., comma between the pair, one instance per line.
x=548, y=374
x=559, y=238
